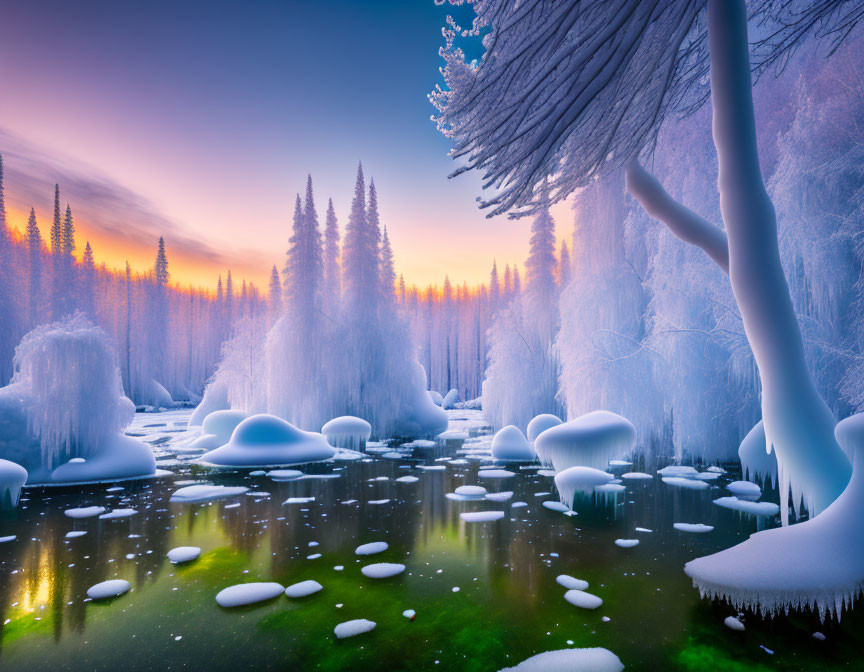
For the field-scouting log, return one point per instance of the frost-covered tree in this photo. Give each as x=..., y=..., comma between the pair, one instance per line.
x=332, y=268
x=388, y=272
x=274, y=299
x=87, y=297
x=565, y=266
x=9, y=310
x=35, y=312
x=494, y=287
x=59, y=283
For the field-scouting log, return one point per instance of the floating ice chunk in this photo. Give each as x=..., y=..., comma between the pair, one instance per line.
x=12, y=478
x=696, y=528
x=409, y=614
x=819, y=636
x=183, y=554
x=571, y=583
x=407, y=479
x=744, y=489
x=556, y=506
x=303, y=589
x=620, y=463
x=499, y=496
x=637, y=475
x=689, y=483
x=540, y=423
x=610, y=488
x=716, y=470
x=203, y=493
x=510, y=444
x=450, y=399
x=733, y=623
x=8, y=538
x=579, y=598
x=471, y=491
x=382, y=570
x=108, y=589
x=745, y=506
x=706, y=476
x=677, y=470
x=371, y=548
x=352, y=628
x=248, y=593
x=117, y=513
x=431, y=467
x=347, y=431
x=570, y=660
x=481, y=516
x=756, y=461
x=392, y=455
x=495, y=473
x=74, y=534
x=265, y=440
x=518, y=505
x=299, y=500
x=626, y=543
x=643, y=529
x=588, y=441
x=576, y=480
x=284, y=474
x=84, y=512
x=376, y=502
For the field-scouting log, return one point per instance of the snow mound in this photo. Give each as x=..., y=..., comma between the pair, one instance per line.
x=570, y=583
x=590, y=440
x=756, y=461
x=371, y=548
x=203, y=493
x=347, y=431
x=248, y=593
x=499, y=496
x=626, y=543
x=744, y=489
x=12, y=479
x=817, y=564
x=579, y=598
x=575, y=480
x=108, y=589
x=676, y=470
x=351, y=628
x=382, y=570
x=450, y=399
x=481, y=516
x=218, y=427
x=510, y=444
x=215, y=399
x=265, y=440
x=540, y=423
x=183, y=554
x=570, y=660
x=303, y=589
x=697, y=528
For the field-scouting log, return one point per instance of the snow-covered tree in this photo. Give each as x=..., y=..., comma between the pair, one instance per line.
x=35, y=312
x=565, y=266
x=274, y=299
x=332, y=267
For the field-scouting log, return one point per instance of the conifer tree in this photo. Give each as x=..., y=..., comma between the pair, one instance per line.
x=87, y=300
x=34, y=265
x=332, y=270
x=388, y=272
x=565, y=266
x=275, y=296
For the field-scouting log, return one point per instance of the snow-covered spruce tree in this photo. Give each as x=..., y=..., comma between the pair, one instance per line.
x=36, y=299
x=87, y=296
x=332, y=268
x=623, y=66
x=274, y=297
x=565, y=266
x=10, y=314
x=58, y=279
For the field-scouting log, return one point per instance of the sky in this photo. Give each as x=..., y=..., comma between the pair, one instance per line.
x=199, y=120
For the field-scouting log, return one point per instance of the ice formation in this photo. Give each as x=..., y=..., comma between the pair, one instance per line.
x=510, y=444
x=382, y=570
x=248, y=593
x=696, y=528
x=540, y=423
x=203, y=493
x=12, y=479
x=756, y=461
x=481, y=516
x=579, y=598
x=637, y=475
x=436, y=397
x=108, y=589
x=567, y=660
x=494, y=473
x=218, y=427
x=450, y=399
x=352, y=628
x=215, y=399
x=84, y=512
x=579, y=480
x=348, y=432
x=744, y=489
x=183, y=554
x=66, y=402
x=303, y=589
x=688, y=483
x=590, y=440
x=675, y=470
x=745, y=506
x=818, y=563
x=470, y=492
x=265, y=440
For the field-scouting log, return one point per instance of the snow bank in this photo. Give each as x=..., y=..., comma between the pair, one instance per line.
x=348, y=432
x=756, y=461
x=541, y=423
x=12, y=479
x=590, y=440
x=215, y=399
x=265, y=440
x=248, y=593
x=510, y=444
x=66, y=402
x=818, y=563
x=569, y=660
x=579, y=480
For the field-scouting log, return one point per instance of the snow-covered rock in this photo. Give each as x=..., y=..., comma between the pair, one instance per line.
x=265, y=440
x=510, y=444
x=579, y=480
x=541, y=423
x=347, y=431
x=590, y=440
x=248, y=593
x=12, y=479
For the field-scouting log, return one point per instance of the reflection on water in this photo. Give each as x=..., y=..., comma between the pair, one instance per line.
x=507, y=607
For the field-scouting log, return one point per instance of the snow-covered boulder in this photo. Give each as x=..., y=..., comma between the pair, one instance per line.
x=510, y=444
x=265, y=440
x=756, y=461
x=450, y=399
x=436, y=397
x=590, y=440
x=63, y=414
x=347, y=431
x=540, y=423
x=215, y=399
x=12, y=479
x=579, y=480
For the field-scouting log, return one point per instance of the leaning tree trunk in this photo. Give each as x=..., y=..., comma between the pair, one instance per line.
x=798, y=423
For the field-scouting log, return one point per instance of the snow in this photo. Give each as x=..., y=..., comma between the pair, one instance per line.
x=637, y=475
x=570, y=583
x=481, y=516
x=733, y=623
x=744, y=489
x=284, y=474
x=12, y=479
x=510, y=444
x=579, y=480
x=675, y=470
x=409, y=614
x=540, y=423
x=407, y=479
x=371, y=548
x=74, y=534
x=556, y=506
x=218, y=427
x=590, y=440
x=248, y=593
x=471, y=491
x=347, y=431
x=84, y=512
x=203, y=493
x=215, y=399
x=299, y=500
x=499, y=496
x=436, y=397
x=382, y=570
x=352, y=628
x=265, y=440
x=108, y=589
x=118, y=513
x=570, y=660
x=303, y=589
x=184, y=554
x=756, y=461
x=450, y=399
x=689, y=483
x=495, y=473
x=626, y=543
x=579, y=598
x=696, y=528
x=751, y=507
